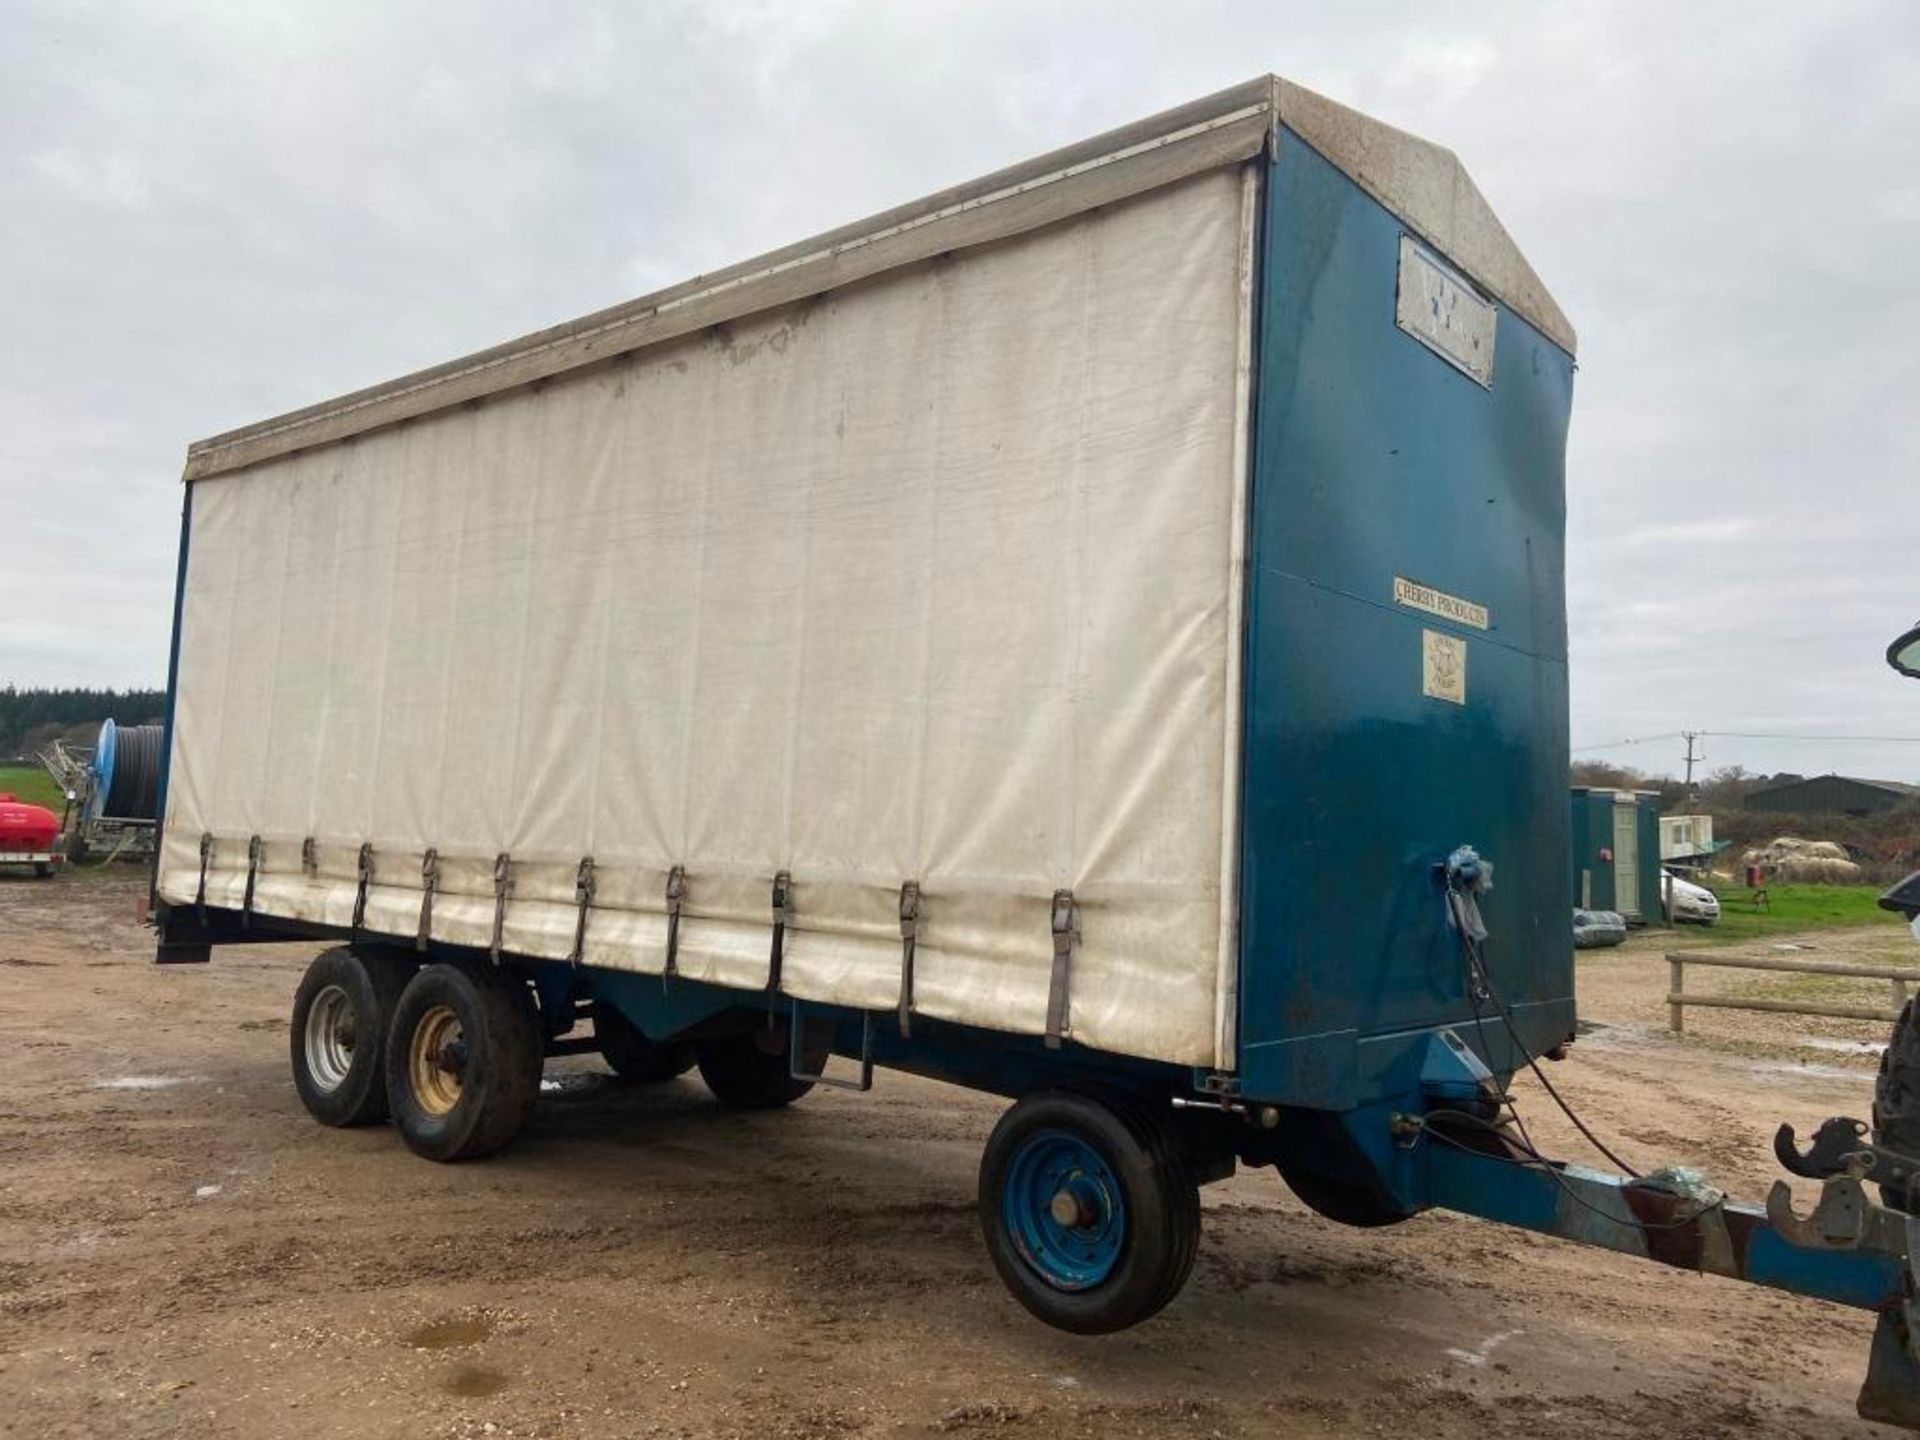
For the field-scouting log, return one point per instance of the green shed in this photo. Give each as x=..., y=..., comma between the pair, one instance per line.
x=1616, y=852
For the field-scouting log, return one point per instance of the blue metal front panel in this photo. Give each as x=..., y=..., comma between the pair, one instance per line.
x=1374, y=457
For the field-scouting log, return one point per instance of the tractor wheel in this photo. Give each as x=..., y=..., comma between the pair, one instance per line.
x=463, y=1062
x=1896, y=1102
x=341, y=1013
x=1090, y=1210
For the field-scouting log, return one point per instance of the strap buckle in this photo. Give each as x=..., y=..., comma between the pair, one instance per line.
x=360, y=895
x=429, y=879
x=782, y=918
x=1066, y=934
x=255, y=848
x=502, y=887
x=676, y=897
x=584, y=885
x=909, y=943
x=200, y=895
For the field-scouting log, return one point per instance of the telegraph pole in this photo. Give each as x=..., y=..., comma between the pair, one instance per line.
x=1690, y=736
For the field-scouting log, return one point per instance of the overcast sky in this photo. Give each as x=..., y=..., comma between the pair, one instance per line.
x=213, y=213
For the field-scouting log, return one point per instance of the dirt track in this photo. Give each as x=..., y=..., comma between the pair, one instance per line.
x=184, y=1253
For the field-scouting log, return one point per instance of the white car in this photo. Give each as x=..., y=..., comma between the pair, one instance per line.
x=1687, y=901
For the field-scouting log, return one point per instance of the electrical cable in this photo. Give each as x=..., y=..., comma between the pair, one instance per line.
x=1479, y=984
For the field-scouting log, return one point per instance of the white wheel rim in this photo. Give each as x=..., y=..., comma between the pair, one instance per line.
x=330, y=1039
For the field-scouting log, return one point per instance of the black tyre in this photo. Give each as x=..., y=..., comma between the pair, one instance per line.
x=341, y=1014
x=463, y=1062
x=1896, y=1101
x=750, y=1071
x=1357, y=1205
x=1090, y=1210
x=42, y=869
x=632, y=1055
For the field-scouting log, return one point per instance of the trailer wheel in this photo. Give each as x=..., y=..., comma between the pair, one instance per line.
x=463, y=1062
x=1090, y=1211
x=341, y=1013
x=1896, y=1101
x=750, y=1071
x=631, y=1054
x=42, y=868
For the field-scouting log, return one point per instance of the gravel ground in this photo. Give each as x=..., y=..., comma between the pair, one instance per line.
x=184, y=1253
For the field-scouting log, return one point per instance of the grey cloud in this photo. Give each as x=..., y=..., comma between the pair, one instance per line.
x=211, y=214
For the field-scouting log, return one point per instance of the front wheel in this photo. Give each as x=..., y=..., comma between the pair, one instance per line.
x=463, y=1062
x=1090, y=1211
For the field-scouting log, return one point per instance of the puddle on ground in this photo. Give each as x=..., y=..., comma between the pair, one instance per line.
x=142, y=1082
x=473, y=1382
x=1843, y=1047
x=1792, y=1070
x=450, y=1334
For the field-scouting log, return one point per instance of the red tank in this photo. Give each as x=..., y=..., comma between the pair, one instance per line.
x=26, y=830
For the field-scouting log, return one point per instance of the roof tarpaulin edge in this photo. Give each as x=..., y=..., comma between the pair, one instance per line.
x=1423, y=183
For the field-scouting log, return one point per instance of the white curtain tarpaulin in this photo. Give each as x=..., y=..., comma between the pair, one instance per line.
x=933, y=579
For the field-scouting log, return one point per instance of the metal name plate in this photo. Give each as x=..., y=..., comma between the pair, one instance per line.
x=1416, y=596
x=1444, y=313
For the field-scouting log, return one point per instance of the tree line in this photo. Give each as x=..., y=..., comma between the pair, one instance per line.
x=31, y=718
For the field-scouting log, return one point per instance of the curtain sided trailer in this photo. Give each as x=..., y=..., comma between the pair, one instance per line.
x=1076, y=636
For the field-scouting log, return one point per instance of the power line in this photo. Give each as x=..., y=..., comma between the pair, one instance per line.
x=1750, y=735
x=1631, y=740
x=1823, y=739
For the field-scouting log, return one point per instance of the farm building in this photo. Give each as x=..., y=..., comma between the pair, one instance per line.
x=1616, y=852
x=1832, y=795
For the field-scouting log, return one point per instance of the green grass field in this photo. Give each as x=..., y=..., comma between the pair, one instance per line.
x=32, y=785
x=1791, y=908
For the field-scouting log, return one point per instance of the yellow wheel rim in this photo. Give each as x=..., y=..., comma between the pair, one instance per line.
x=436, y=1057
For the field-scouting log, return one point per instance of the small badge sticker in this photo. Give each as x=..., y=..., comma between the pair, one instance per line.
x=1443, y=667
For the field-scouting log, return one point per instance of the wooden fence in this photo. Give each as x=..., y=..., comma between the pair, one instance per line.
x=1897, y=977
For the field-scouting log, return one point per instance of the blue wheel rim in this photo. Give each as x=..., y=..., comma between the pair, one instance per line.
x=1053, y=1172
